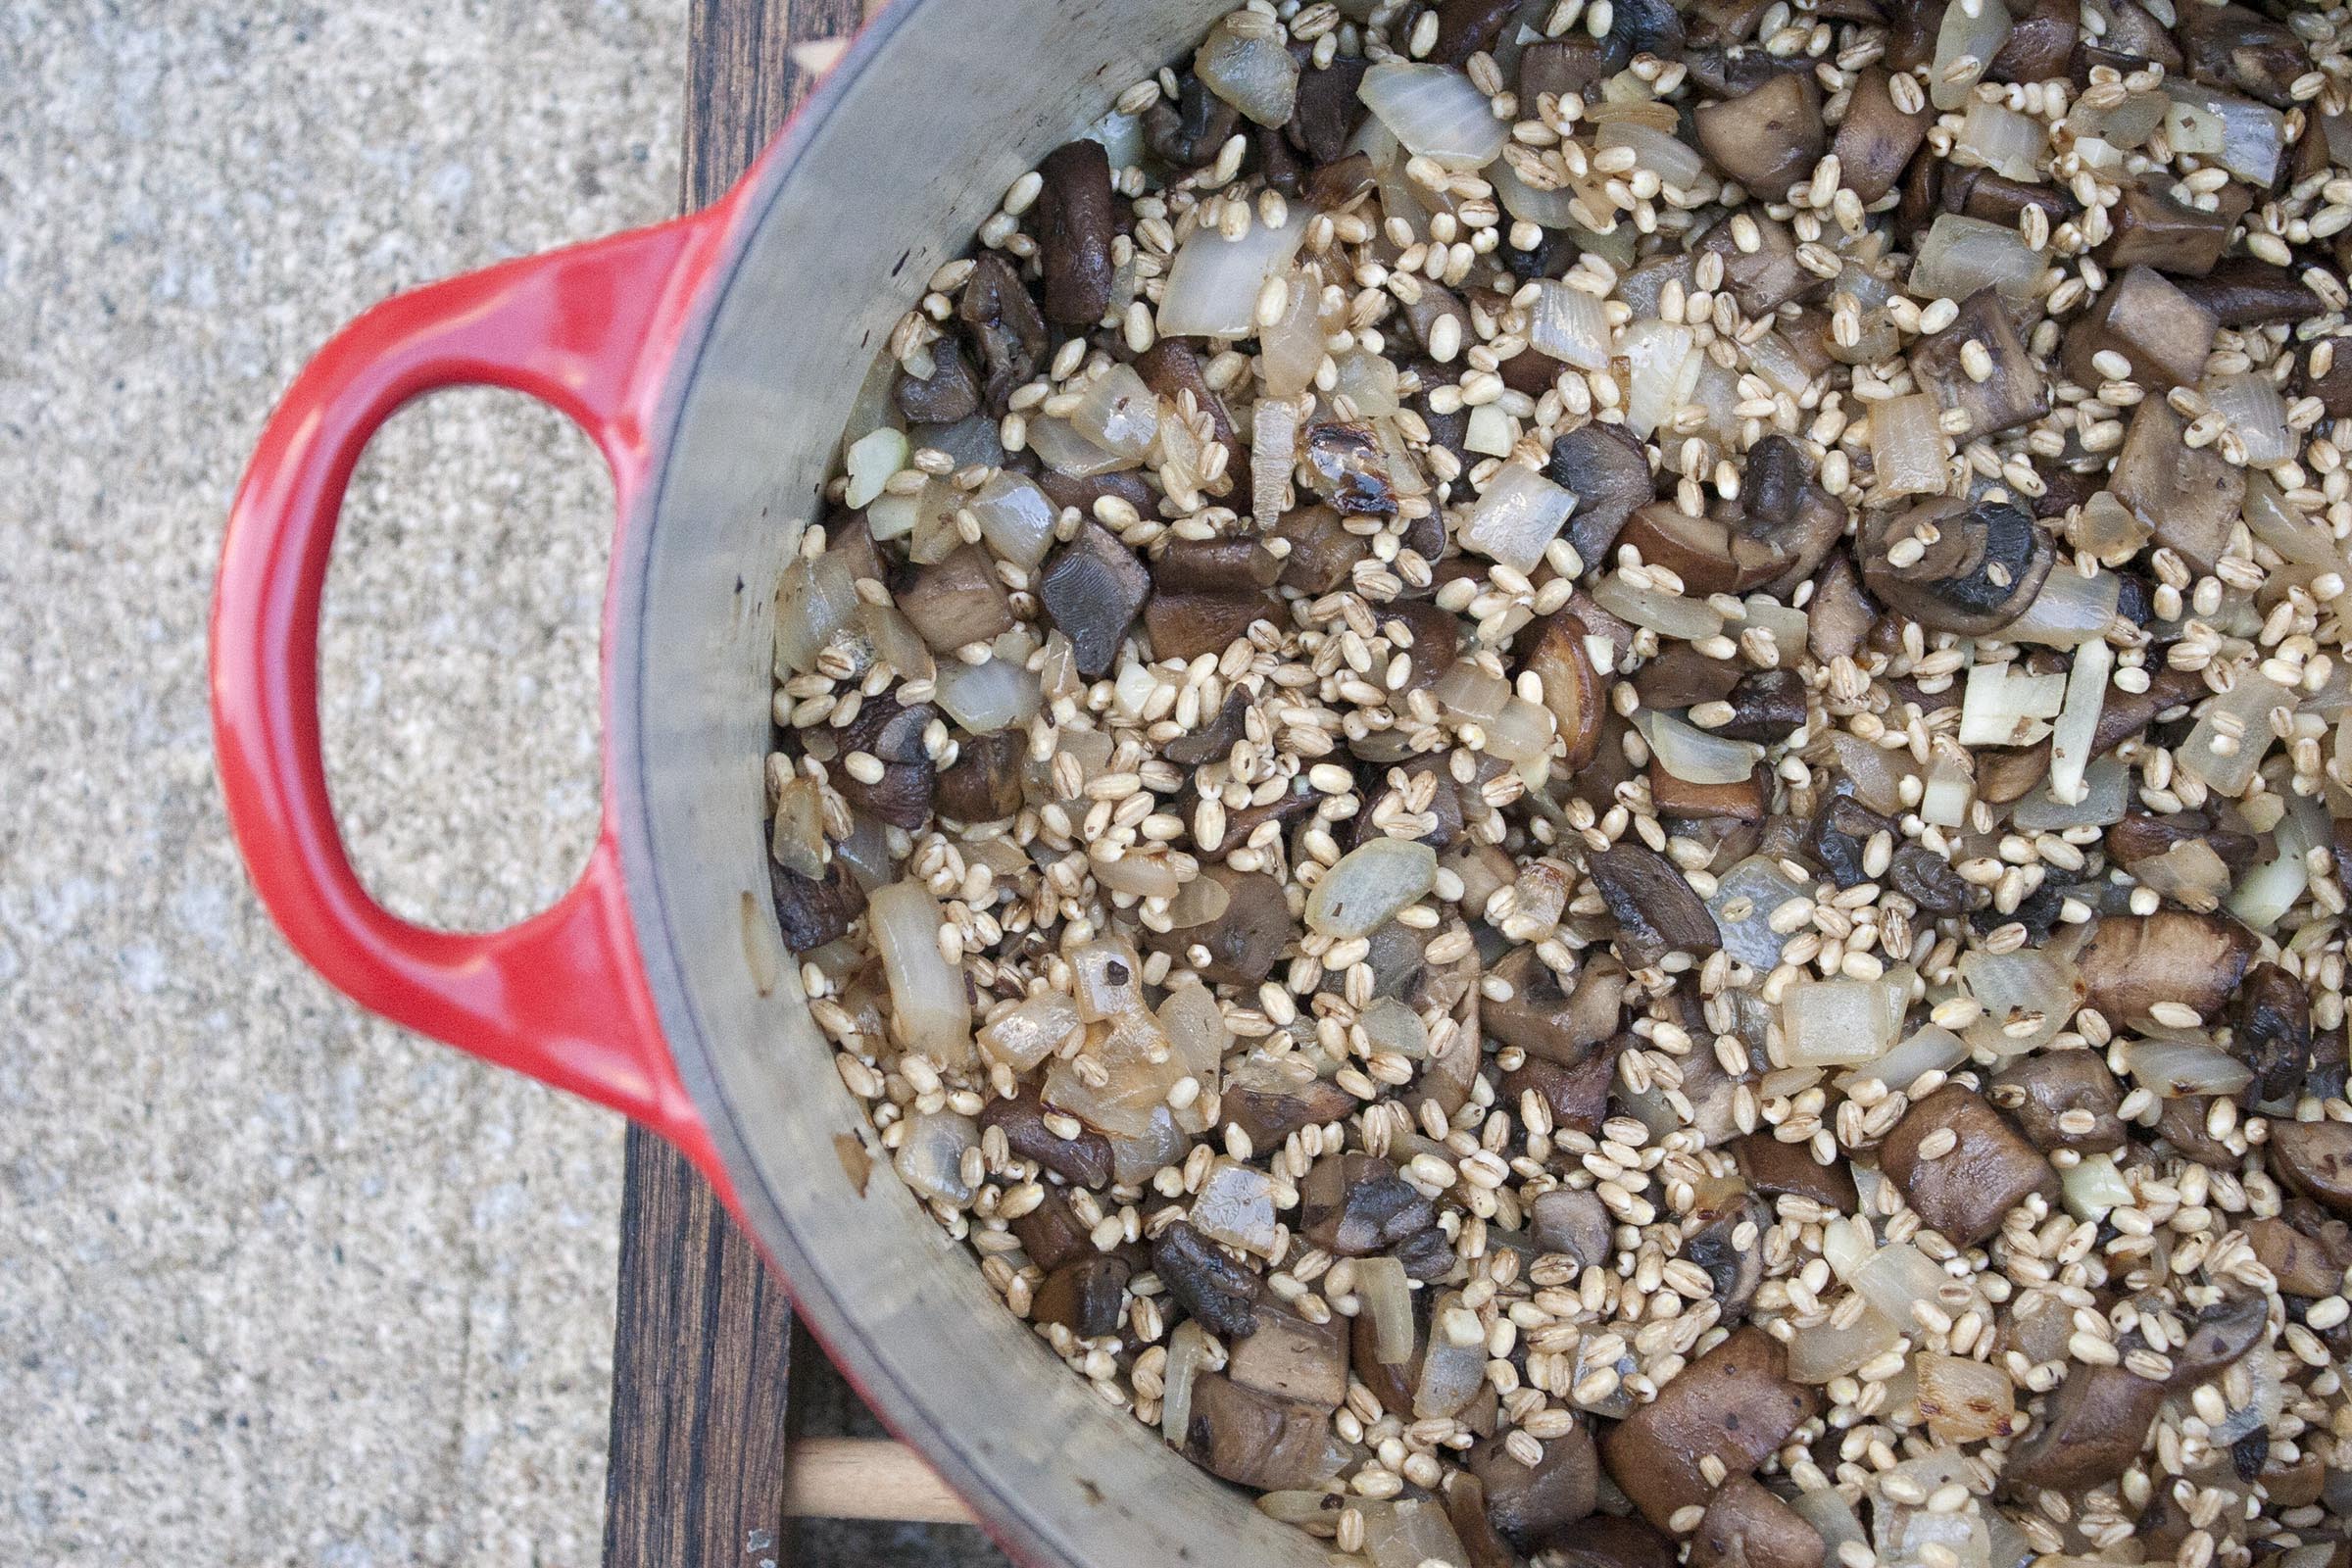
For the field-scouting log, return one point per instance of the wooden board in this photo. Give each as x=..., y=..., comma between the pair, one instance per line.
x=702, y=1340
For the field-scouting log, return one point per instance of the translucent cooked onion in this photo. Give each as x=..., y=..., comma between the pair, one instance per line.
x=1411, y=1532
x=1929, y=1048
x=2308, y=549
x=2225, y=761
x=2093, y=1187
x=1491, y=431
x=2002, y=703
x=2077, y=729
x=1118, y=412
x=2267, y=892
x=2256, y=413
x=1060, y=446
x=2243, y=136
x=814, y=601
x=1454, y=1365
x=1694, y=756
x=1898, y=1277
x=1245, y=61
x=1518, y=513
x=1662, y=368
x=1823, y=1351
x=2179, y=1069
x=1369, y=884
x=1675, y=162
x=1290, y=348
x=2106, y=789
x=2123, y=126
x=1668, y=615
x=1015, y=517
x=1273, y=451
x=1962, y=254
x=1436, y=112
x=986, y=697
x=2012, y=985
x=1469, y=694
x=1196, y=1024
x=872, y=458
x=1369, y=381
x=930, y=1159
x=1745, y=899
x=1907, y=443
x=2070, y=610
x=1029, y=1033
x=1213, y=283
x=1832, y=1517
x=1569, y=324
x=2010, y=144
x=1546, y=209
x=1964, y=1400
x=1948, y=788
x=1973, y=29
x=1380, y=1282
x=1189, y=1351
x=926, y=992
x=896, y=641
x=1833, y=1023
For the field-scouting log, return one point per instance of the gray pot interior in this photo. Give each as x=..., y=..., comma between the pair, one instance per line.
x=937, y=108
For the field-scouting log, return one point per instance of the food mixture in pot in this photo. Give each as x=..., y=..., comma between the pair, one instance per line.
x=1575, y=771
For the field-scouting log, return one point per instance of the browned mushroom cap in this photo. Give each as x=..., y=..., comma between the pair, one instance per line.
x=812, y=912
x=2303, y=1264
x=1246, y=941
x=1769, y=275
x=1606, y=469
x=1734, y=1402
x=2063, y=1100
x=1842, y=613
x=2162, y=334
x=2041, y=46
x=1466, y=1511
x=1747, y=1527
x=1729, y=1243
x=2014, y=392
x=2325, y=371
x=1004, y=324
x=2145, y=836
x=1576, y=1096
x=1074, y=223
x=2315, y=1158
x=985, y=784
x=2182, y=1123
x=1966, y=1190
x=2218, y=1334
x=1346, y=467
x=2231, y=46
x=1656, y=911
x=1085, y=1297
x=1876, y=140
x=1544, y=1020
x=2091, y=1428
x=951, y=393
x=1323, y=551
x=1210, y=1286
x=1789, y=511
x=1767, y=139
x=1999, y=199
x=1607, y=1542
x=1083, y=1161
x=1537, y=1507
x=1293, y=1359
x=1051, y=1233
x=2272, y=1034
x=1256, y=1439
x=893, y=733
x=1091, y=590
x=1172, y=367
x=2134, y=961
x=1327, y=111
x=1189, y=132
x=1709, y=553
x=957, y=600
x=1356, y=1205
x=1267, y=1116
x=1680, y=801
x=1572, y=688
x=1776, y=1169
x=1682, y=676
x=1217, y=566
x=2155, y=228
x=2126, y=713
x=1188, y=626
x=1980, y=568
x=1572, y=1223
x=2244, y=292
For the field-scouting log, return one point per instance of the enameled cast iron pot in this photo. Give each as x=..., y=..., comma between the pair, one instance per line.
x=712, y=360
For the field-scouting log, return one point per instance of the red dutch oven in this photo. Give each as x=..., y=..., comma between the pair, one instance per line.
x=712, y=361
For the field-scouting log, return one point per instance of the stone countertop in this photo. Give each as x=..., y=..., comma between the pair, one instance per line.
x=281, y=1283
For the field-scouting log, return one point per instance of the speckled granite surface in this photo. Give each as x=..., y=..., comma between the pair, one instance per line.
x=280, y=1284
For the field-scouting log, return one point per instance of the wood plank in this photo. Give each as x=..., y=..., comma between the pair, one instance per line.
x=701, y=1338
x=866, y=1478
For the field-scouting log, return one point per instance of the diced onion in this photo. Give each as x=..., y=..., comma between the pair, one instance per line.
x=1369, y=884
x=873, y=457
x=2106, y=792
x=2002, y=703
x=1569, y=324
x=2107, y=529
x=1545, y=208
x=1517, y=514
x=1943, y=799
x=1454, y=1367
x=989, y=697
x=1662, y=365
x=1244, y=62
x=2093, y=1187
x=926, y=992
x=1468, y=694
x=1061, y=447
x=1213, y=283
x=1694, y=756
x=2256, y=413
x=1436, y=112
x=1832, y=1517
x=1273, y=452
x=1823, y=1351
x=1118, y=412
x=2267, y=892
x=2010, y=144
x=930, y=1159
x=1961, y=255
x=1369, y=381
x=1973, y=29
x=1675, y=162
x=1964, y=1400
x=2070, y=610
x=2179, y=1069
x=1190, y=1348
x=1833, y=1023
x=1898, y=1277
x=1380, y=1282
x=1929, y=1048
x=813, y=602
x=2227, y=762
x=1015, y=517
x=2243, y=136
x=1031, y=1032
x=1907, y=444
x=2126, y=125
x=1742, y=905
x=2010, y=985
x=1491, y=431
x=1674, y=616
x=2078, y=726
x=2307, y=548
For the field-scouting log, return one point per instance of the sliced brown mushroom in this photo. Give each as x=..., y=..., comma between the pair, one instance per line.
x=1841, y=834
x=1537, y=1506
x=1086, y=1296
x=1999, y=199
x=1766, y=705
x=2220, y=1334
x=1605, y=467
x=1767, y=139
x=1258, y=1440
x=1678, y=800
x=1574, y=1223
x=2091, y=1428
x=1767, y=276
x=1083, y=1161
x=1293, y=1359
x=1930, y=881
x=1189, y=132
x=1188, y=626
x=1246, y=940
x=2041, y=46
x=2161, y=334
x=1776, y=1169
x=1965, y=1185
x=1747, y=1527
x=1051, y=1233
x=2013, y=391
x=1004, y=324
x=1217, y=566
x=1466, y=1511
x=951, y=393
x=1172, y=367
x=1709, y=554
x=985, y=784
x=1544, y=1020
x=1327, y=111
x=2315, y=1158
x=1978, y=569
x=1576, y=1096
x=1656, y=911
x=1841, y=612
x=1356, y=1205
x=2306, y=1265
x=1736, y=1402
x=1729, y=1243
x=1268, y=1115
x=2244, y=292
x=1074, y=223
x=2272, y=1034
x=892, y=733
x=2134, y=961
x=2232, y=47
x=1208, y=1285
x=957, y=600
x=1323, y=550
x=1607, y=1542
x=1876, y=140
x=1572, y=688
x=812, y=912
x=2152, y=227
x=2185, y=1122
x=2063, y=1100
x=2325, y=371
x=1092, y=589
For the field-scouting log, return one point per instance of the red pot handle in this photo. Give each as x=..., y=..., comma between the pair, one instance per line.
x=562, y=996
